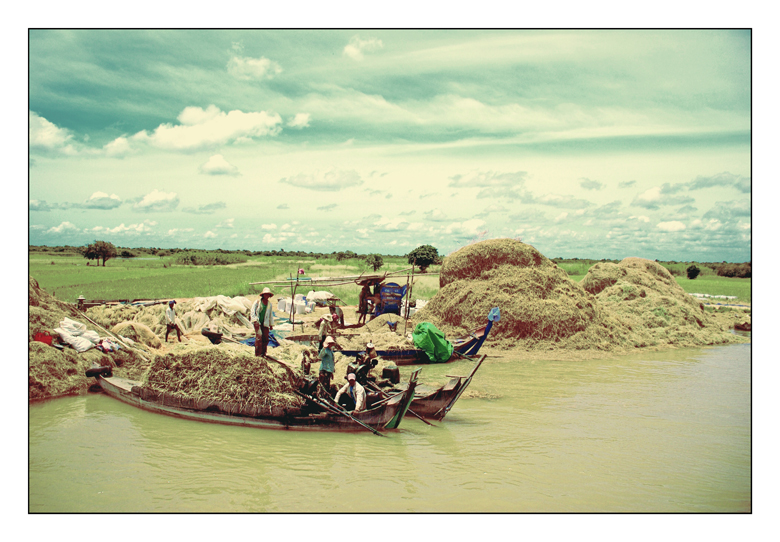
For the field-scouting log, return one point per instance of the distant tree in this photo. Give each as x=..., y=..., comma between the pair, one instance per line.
x=692, y=271
x=163, y=253
x=100, y=250
x=127, y=254
x=423, y=257
x=375, y=261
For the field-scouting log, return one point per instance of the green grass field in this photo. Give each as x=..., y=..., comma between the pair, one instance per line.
x=67, y=277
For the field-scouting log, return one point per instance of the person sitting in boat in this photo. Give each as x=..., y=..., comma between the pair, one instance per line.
x=327, y=329
x=337, y=315
x=352, y=396
x=327, y=362
x=170, y=320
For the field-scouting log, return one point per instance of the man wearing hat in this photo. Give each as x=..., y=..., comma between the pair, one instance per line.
x=327, y=363
x=326, y=328
x=262, y=317
x=352, y=396
x=170, y=323
x=336, y=314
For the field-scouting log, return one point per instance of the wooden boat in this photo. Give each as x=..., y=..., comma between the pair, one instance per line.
x=743, y=327
x=386, y=414
x=468, y=345
x=436, y=403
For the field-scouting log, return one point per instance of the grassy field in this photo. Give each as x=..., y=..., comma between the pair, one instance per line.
x=67, y=277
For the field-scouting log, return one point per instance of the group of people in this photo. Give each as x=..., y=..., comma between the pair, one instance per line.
x=351, y=395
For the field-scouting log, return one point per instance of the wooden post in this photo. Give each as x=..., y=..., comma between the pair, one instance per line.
x=409, y=295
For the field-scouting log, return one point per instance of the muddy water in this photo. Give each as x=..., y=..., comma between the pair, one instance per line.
x=661, y=432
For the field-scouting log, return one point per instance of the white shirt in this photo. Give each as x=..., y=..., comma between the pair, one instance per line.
x=360, y=395
x=254, y=313
x=170, y=314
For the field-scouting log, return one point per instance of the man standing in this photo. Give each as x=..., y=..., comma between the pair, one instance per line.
x=326, y=328
x=170, y=320
x=327, y=363
x=262, y=317
x=352, y=396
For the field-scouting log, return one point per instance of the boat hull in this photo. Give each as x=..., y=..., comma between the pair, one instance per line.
x=122, y=389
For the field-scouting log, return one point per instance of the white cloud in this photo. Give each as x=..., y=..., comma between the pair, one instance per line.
x=471, y=227
x=387, y=224
x=301, y=120
x=268, y=226
x=246, y=68
x=268, y=238
x=227, y=223
x=674, y=225
x=101, y=200
x=561, y=216
x=639, y=218
x=157, y=201
x=489, y=178
x=356, y=47
x=331, y=181
x=45, y=135
x=217, y=165
x=132, y=228
x=64, y=227
x=658, y=196
x=177, y=230
x=117, y=148
x=210, y=127
x=209, y=235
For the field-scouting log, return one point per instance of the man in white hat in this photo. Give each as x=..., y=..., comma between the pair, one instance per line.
x=327, y=363
x=352, y=396
x=262, y=317
x=326, y=328
x=170, y=320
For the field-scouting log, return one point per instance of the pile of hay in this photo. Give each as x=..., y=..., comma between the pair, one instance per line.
x=647, y=300
x=540, y=306
x=53, y=372
x=137, y=332
x=189, y=318
x=224, y=378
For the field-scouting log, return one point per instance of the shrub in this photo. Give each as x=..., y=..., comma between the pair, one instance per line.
x=740, y=270
x=692, y=272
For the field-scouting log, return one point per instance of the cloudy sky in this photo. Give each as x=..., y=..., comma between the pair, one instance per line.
x=600, y=144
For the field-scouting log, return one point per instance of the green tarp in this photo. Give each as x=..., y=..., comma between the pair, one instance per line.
x=426, y=337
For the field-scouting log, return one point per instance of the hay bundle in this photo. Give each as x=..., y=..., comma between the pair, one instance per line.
x=53, y=372
x=473, y=261
x=537, y=299
x=229, y=379
x=110, y=315
x=153, y=317
x=646, y=299
x=379, y=323
x=137, y=332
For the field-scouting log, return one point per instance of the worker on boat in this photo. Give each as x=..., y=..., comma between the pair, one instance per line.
x=336, y=314
x=362, y=368
x=365, y=293
x=327, y=363
x=262, y=317
x=352, y=396
x=327, y=329
x=170, y=320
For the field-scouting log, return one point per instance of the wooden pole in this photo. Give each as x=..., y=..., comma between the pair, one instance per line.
x=409, y=296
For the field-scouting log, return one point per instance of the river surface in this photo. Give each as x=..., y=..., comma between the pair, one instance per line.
x=652, y=432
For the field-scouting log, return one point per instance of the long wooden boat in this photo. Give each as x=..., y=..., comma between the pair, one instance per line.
x=468, y=345
x=387, y=414
x=434, y=404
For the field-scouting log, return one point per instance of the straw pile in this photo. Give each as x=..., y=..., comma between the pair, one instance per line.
x=223, y=378
x=636, y=303
x=540, y=305
x=137, y=332
x=645, y=298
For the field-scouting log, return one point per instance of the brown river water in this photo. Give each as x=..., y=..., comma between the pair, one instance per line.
x=651, y=432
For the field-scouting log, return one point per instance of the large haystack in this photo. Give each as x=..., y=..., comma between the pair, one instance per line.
x=53, y=372
x=645, y=297
x=539, y=304
x=224, y=378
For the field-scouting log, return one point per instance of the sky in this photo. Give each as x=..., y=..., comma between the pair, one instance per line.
x=582, y=143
